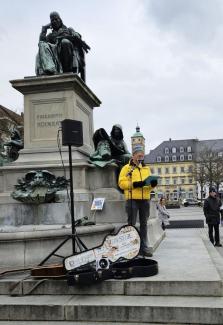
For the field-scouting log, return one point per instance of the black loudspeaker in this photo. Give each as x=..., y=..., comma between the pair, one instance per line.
x=72, y=133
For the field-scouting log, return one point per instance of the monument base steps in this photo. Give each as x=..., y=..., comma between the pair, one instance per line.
x=179, y=294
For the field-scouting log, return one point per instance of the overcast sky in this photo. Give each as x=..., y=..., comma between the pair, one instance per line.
x=158, y=63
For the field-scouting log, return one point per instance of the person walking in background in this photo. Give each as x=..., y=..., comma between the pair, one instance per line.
x=163, y=214
x=212, y=214
x=137, y=194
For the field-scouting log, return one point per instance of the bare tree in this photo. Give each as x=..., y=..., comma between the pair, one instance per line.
x=200, y=176
x=209, y=168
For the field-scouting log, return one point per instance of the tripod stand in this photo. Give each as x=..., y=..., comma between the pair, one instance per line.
x=72, y=134
x=74, y=237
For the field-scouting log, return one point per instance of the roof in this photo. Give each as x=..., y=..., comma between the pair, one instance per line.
x=214, y=144
x=195, y=144
x=160, y=150
x=5, y=112
x=137, y=133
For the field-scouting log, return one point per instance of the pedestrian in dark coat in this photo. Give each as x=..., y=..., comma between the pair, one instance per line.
x=212, y=214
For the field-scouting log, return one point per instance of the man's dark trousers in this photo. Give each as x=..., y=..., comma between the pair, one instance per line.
x=214, y=228
x=141, y=206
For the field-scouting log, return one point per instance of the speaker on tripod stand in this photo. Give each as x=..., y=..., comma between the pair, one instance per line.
x=72, y=135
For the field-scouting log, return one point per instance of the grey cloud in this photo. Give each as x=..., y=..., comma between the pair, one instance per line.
x=195, y=20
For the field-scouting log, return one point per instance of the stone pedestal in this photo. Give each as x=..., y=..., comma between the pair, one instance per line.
x=47, y=101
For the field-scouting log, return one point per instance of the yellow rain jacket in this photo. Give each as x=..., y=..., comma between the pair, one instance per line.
x=139, y=174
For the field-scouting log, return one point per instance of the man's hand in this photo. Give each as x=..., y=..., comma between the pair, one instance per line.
x=153, y=183
x=138, y=184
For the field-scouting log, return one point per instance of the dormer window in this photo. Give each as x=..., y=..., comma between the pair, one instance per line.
x=167, y=159
x=181, y=157
x=174, y=150
x=189, y=157
x=189, y=149
x=181, y=149
x=174, y=158
x=158, y=159
x=167, y=150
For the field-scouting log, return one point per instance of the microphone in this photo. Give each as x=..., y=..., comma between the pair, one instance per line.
x=130, y=172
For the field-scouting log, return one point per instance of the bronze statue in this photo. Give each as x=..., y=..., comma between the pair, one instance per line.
x=9, y=151
x=60, y=51
x=38, y=186
x=111, y=148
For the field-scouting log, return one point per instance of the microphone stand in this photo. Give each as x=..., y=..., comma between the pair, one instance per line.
x=129, y=174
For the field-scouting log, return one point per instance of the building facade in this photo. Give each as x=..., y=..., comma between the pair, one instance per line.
x=174, y=161
x=8, y=121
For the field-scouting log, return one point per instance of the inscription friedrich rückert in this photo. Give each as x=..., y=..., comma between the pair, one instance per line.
x=49, y=120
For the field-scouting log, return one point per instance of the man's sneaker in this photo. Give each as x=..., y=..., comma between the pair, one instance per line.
x=218, y=245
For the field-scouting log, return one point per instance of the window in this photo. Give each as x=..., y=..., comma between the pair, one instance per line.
x=190, y=169
x=182, y=180
x=174, y=150
x=175, y=195
x=174, y=158
x=159, y=171
x=189, y=157
x=181, y=149
x=182, y=193
x=160, y=194
x=167, y=170
x=174, y=170
x=167, y=194
x=182, y=169
x=152, y=170
x=167, y=181
x=175, y=181
x=158, y=159
x=159, y=181
x=189, y=149
x=181, y=157
x=166, y=158
x=190, y=180
x=166, y=150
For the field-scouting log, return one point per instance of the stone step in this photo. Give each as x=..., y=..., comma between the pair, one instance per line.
x=138, y=309
x=132, y=287
x=193, y=223
x=76, y=323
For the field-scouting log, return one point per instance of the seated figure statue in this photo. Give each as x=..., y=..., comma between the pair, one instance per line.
x=111, y=148
x=12, y=146
x=60, y=51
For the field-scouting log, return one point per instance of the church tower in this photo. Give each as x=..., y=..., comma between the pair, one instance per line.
x=138, y=140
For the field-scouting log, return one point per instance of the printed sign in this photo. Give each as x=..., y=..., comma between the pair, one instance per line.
x=98, y=203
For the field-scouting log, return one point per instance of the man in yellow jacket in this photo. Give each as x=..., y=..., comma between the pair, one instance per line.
x=137, y=194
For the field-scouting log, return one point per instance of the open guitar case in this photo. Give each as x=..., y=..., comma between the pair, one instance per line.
x=122, y=268
x=137, y=267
